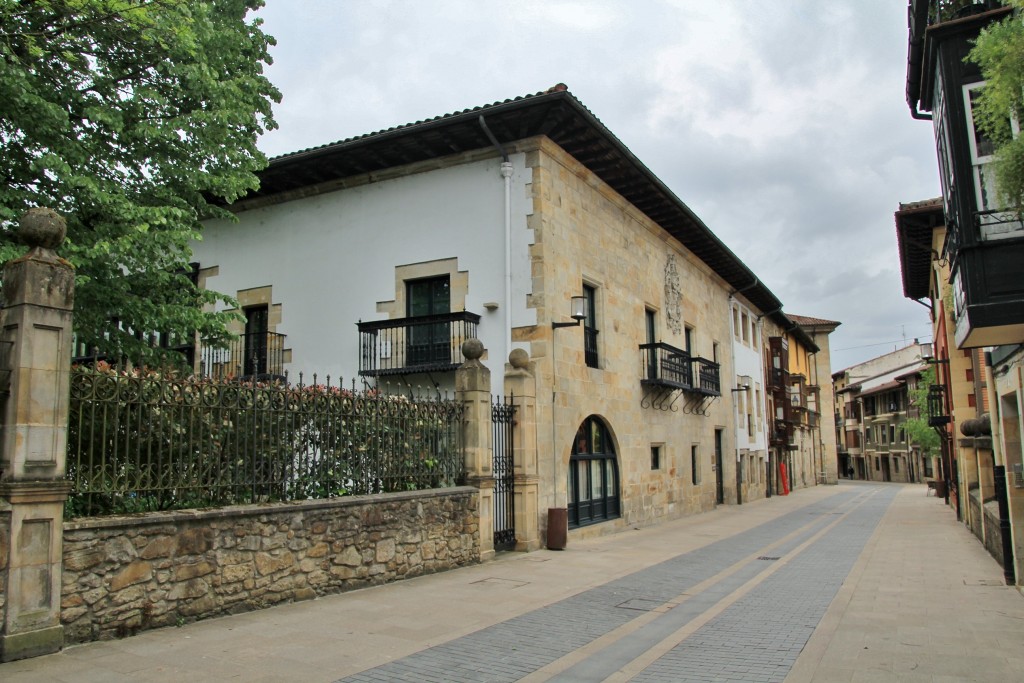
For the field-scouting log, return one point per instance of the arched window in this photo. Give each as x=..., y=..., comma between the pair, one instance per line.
x=593, y=475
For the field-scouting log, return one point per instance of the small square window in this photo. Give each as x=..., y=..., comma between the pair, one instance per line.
x=655, y=457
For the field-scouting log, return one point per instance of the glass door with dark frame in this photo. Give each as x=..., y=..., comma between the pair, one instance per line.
x=429, y=342
x=256, y=327
x=652, y=354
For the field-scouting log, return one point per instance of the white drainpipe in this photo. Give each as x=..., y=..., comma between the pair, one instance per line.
x=506, y=173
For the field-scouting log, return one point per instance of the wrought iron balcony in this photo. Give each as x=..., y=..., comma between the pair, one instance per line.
x=667, y=366
x=781, y=434
x=258, y=355
x=938, y=414
x=940, y=11
x=403, y=346
x=707, y=372
x=672, y=368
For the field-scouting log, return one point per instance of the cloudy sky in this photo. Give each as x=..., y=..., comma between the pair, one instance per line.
x=782, y=124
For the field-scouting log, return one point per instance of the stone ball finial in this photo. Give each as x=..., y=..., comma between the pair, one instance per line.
x=519, y=359
x=42, y=227
x=472, y=349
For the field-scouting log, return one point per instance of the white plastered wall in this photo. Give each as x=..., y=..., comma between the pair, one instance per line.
x=331, y=257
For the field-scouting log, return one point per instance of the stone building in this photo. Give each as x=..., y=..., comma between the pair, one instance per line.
x=529, y=225
x=811, y=396
x=982, y=246
x=873, y=401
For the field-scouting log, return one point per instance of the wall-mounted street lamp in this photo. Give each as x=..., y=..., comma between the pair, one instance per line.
x=743, y=383
x=558, y=516
x=928, y=356
x=578, y=306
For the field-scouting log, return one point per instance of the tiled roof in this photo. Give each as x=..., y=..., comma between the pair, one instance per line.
x=807, y=321
x=554, y=113
x=560, y=87
x=923, y=204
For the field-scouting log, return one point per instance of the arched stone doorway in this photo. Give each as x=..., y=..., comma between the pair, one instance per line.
x=593, y=475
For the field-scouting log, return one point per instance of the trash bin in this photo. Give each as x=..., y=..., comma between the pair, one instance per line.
x=558, y=528
x=940, y=489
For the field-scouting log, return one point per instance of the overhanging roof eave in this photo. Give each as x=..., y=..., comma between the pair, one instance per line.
x=630, y=176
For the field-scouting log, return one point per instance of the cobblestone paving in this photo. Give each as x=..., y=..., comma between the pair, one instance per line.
x=756, y=639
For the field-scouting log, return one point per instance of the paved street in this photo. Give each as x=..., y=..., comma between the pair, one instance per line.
x=859, y=582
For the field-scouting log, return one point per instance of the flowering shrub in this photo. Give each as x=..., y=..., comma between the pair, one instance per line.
x=143, y=440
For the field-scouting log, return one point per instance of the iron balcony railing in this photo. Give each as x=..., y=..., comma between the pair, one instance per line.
x=251, y=356
x=947, y=10
x=938, y=414
x=427, y=343
x=665, y=365
x=707, y=372
x=781, y=433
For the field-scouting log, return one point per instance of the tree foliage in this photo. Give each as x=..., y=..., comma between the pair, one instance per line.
x=918, y=431
x=999, y=51
x=135, y=119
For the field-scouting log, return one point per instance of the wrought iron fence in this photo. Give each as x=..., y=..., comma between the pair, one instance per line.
x=140, y=441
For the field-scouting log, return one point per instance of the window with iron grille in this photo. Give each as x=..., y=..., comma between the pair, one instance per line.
x=590, y=327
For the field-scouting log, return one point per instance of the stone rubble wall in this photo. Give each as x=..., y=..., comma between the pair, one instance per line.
x=131, y=573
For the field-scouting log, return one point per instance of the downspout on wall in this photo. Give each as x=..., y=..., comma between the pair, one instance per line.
x=506, y=173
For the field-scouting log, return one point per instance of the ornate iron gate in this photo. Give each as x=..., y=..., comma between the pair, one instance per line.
x=503, y=426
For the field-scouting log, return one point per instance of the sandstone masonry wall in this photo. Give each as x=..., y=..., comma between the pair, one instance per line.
x=584, y=232
x=126, y=574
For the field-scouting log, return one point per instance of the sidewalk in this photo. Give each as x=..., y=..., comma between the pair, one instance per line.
x=925, y=603
x=924, y=599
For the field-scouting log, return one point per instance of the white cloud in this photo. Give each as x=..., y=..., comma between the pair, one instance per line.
x=782, y=125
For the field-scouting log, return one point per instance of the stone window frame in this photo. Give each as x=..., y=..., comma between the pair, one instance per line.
x=251, y=297
x=458, y=284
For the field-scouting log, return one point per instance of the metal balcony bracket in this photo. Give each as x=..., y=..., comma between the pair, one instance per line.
x=660, y=397
x=699, y=404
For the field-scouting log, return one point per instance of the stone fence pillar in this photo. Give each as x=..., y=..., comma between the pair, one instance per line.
x=35, y=330
x=522, y=385
x=473, y=389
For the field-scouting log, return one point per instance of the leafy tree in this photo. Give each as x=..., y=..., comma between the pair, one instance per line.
x=999, y=50
x=918, y=431
x=135, y=119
